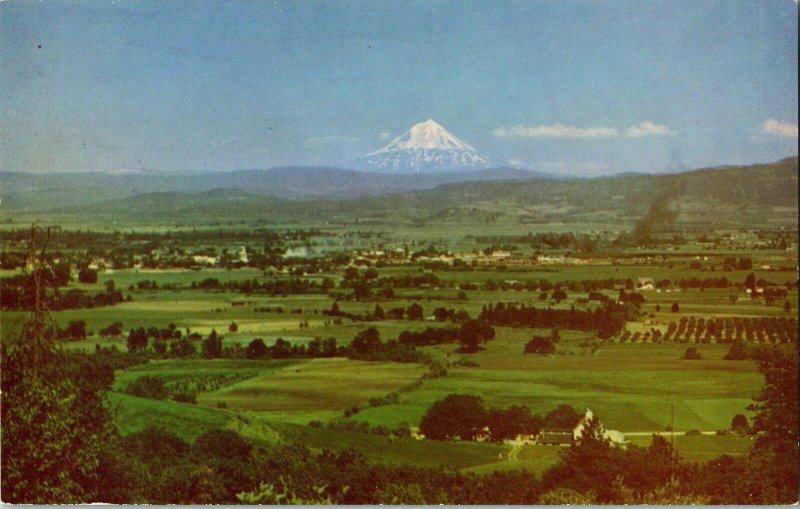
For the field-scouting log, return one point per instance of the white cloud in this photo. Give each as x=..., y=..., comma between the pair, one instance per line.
x=780, y=129
x=560, y=131
x=647, y=128
x=385, y=135
x=566, y=132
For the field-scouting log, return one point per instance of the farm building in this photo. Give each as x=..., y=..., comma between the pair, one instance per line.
x=558, y=437
x=646, y=283
x=614, y=436
x=564, y=436
x=205, y=260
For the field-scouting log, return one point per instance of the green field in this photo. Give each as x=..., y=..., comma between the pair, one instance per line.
x=189, y=422
x=703, y=448
x=630, y=387
x=637, y=388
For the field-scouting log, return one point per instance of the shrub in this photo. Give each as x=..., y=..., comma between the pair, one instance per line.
x=691, y=353
x=87, y=276
x=147, y=387
x=739, y=423
x=736, y=352
x=185, y=397
x=540, y=345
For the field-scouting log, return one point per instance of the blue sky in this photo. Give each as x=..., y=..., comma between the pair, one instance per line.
x=577, y=87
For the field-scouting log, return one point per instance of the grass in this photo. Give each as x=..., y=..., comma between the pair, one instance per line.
x=189, y=422
x=314, y=385
x=703, y=448
x=424, y=453
x=182, y=370
x=531, y=458
x=631, y=387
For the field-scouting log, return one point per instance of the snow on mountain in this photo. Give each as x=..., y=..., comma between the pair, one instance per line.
x=425, y=148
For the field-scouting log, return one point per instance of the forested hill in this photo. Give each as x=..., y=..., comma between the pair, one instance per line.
x=713, y=197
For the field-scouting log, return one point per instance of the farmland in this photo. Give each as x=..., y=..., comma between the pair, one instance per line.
x=342, y=338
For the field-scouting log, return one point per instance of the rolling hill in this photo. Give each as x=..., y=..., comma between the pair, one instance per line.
x=712, y=198
x=33, y=192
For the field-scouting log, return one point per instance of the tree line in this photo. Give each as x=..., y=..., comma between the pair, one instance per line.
x=466, y=417
x=607, y=320
x=17, y=292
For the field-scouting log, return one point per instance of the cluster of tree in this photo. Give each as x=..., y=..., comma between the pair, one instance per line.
x=545, y=285
x=403, y=430
x=470, y=335
x=17, y=292
x=75, y=331
x=366, y=345
x=282, y=349
x=442, y=314
x=465, y=417
x=154, y=388
x=632, y=298
x=114, y=330
x=743, y=263
x=87, y=276
x=367, y=284
x=653, y=335
x=763, y=288
x=428, y=279
x=607, y=321
x=138, y=339
x=694, y=283
x=412, y=312
x=291, y=286
x=542, y=345
x=775, y=239
x=546, y=240
x=733, y=329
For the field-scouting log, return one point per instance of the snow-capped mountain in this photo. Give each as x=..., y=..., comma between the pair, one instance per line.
x=425, y=148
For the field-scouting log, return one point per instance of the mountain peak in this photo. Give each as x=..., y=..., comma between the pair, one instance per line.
x=427, y=147
x=425, y=135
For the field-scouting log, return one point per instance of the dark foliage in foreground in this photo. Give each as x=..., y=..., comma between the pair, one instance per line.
x=46, y=393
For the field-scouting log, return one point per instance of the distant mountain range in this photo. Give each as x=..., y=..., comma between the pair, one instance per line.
x=762, y=195
x=33, y=191
x=426, y=147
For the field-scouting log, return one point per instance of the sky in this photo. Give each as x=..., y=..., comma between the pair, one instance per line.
x=573, y=87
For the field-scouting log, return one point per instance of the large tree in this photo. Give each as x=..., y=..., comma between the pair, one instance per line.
x=509, y=422
x=55, y=422
x=212, y=346
x=457, y=415
x=367, y=341
x=773, y=462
